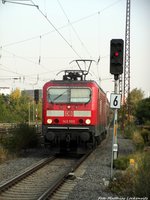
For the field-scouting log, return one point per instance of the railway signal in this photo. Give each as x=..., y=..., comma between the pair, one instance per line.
x=36, y=96
x=116, y=56
x=36, y=99
x=116, y=68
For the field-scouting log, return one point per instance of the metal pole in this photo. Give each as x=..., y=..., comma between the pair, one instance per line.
x=115, y=145
x=114, y=139
x=36, y=116
x=33, y=111
x=29, y=114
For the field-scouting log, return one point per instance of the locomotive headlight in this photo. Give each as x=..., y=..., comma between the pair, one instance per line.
x=49, y=121
x=87, y=121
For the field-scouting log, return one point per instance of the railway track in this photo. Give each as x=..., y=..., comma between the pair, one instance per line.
x=40, y=181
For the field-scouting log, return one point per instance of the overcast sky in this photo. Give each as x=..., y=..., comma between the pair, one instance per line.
x=35, y=44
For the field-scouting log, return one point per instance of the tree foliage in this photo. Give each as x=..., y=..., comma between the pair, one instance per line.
x=15, y=95
x=135, y=96
x=17, y=107
x=143, y=111
x=3, y=108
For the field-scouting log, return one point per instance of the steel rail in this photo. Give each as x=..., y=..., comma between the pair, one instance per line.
x=53, y=187
x=28, y=172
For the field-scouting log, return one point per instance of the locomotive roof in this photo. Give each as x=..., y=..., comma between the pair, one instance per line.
x=72, y=81
x=63, y=82
x=75, y=82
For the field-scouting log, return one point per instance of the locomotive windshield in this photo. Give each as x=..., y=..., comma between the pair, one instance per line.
x=69, y=95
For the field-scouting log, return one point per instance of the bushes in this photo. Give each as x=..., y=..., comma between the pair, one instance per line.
x=138, y=140
x=3, y=154
x=121, y=163
x=122, y=184
x=22, y=137
x=129, y=130
x=135, y=180
x=139, y=137
x=142, y=179
x=146, y=136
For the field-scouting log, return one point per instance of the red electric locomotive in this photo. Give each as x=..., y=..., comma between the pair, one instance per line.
x=75, y=113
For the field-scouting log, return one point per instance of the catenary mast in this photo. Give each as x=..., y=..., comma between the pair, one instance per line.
x=125, y=89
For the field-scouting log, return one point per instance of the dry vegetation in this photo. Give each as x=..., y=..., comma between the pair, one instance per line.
x=134, y=179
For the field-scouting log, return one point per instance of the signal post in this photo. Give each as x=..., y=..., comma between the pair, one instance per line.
x=116, y=68
x=36, y=99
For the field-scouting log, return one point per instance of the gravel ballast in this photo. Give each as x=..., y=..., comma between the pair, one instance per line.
x=93, y=184
x=94, y=178
x=13, y=167
x=97, y=173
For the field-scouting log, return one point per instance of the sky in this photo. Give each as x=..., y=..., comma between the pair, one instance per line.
x=37, y=42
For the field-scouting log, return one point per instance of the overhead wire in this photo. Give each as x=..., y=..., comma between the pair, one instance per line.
x=5, y=68
x=47, y=70
x=61, y=27
x=48, y=20
x=77, y=35
x=17, y=2
x=21, y=76
x=57, y=30
x=25, y=75
x=27, y=60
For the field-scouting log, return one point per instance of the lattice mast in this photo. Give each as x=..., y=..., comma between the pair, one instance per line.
x=126, y=89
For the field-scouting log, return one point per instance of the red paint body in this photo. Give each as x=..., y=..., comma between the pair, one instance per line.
x=82, y=118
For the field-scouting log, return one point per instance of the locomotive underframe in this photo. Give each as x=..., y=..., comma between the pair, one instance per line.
x=71, y=138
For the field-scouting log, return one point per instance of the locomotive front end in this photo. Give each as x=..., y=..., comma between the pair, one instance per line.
x=67, y=115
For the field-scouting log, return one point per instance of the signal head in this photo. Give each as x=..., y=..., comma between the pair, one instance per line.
x=116, y=56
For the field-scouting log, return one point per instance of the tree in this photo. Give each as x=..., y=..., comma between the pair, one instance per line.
x=143, y=111
x=15, y=94
x=134, y=97
x=15, y=107
x=3, y=110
